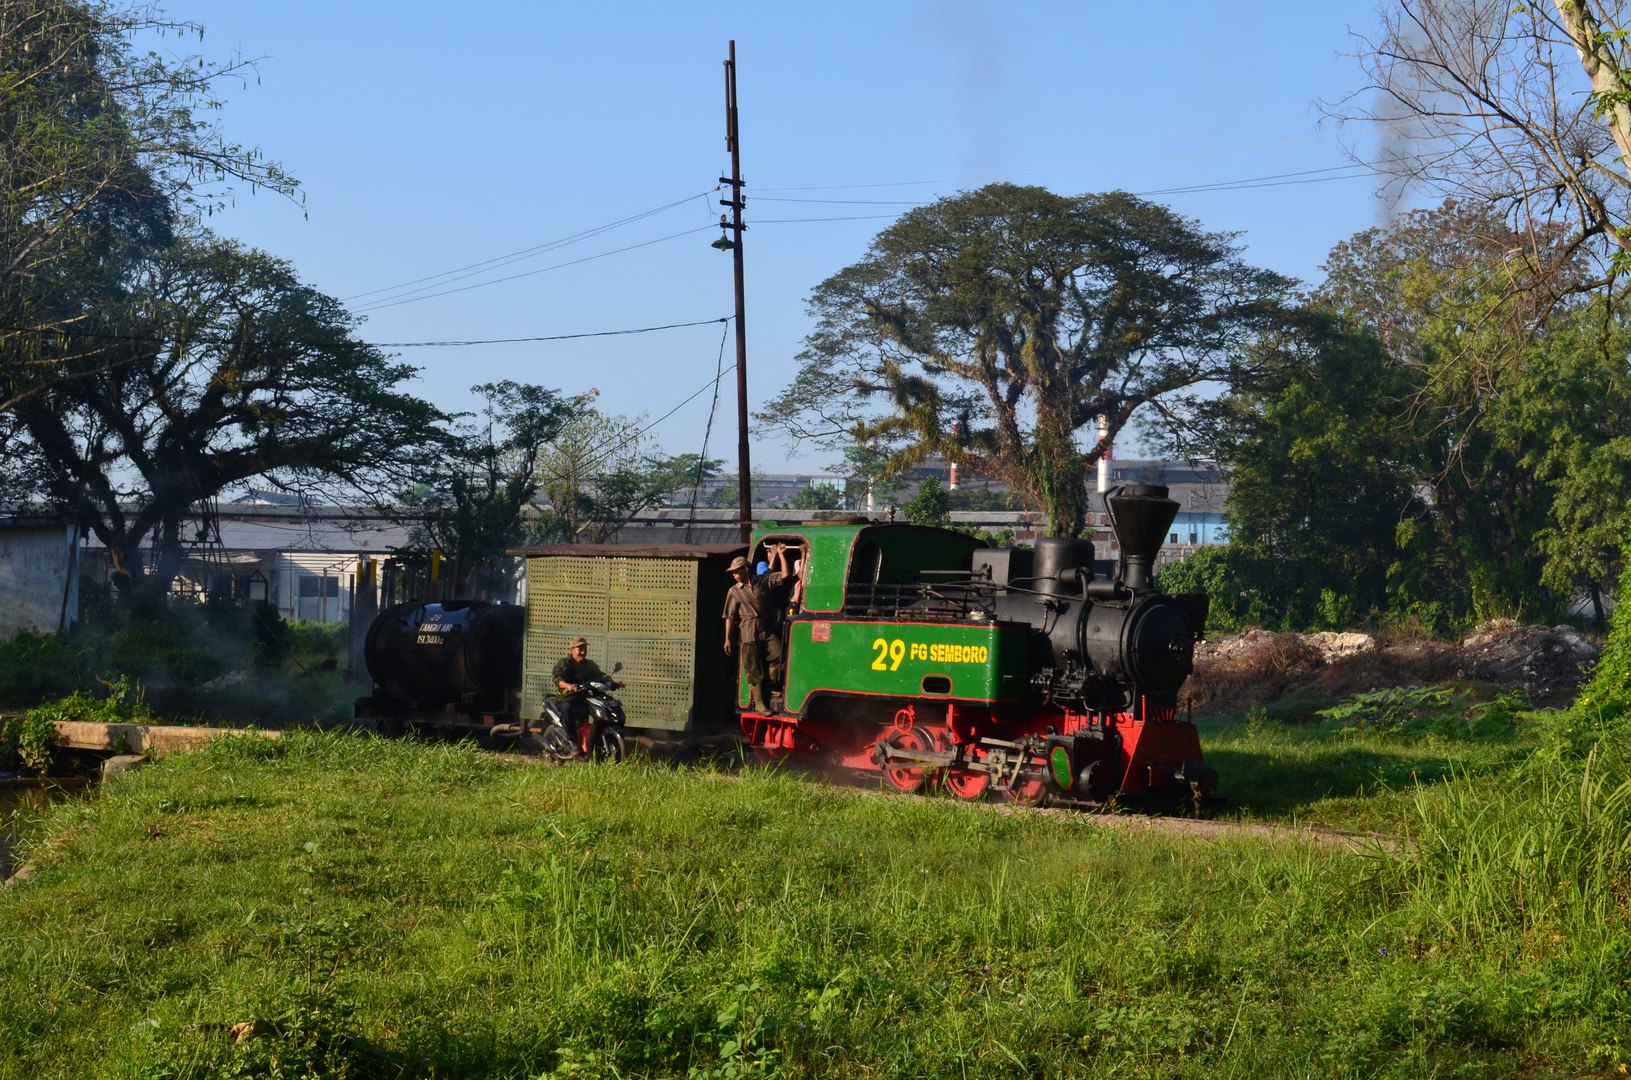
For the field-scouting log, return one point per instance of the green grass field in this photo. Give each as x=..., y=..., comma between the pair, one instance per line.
x=1331, y=775
x=387, y=909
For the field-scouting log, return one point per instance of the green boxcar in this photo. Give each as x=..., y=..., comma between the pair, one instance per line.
x=654, y=609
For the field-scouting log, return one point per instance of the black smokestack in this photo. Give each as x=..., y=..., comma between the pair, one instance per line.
x=1141, y=514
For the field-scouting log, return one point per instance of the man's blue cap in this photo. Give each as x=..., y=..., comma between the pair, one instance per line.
x=763, y=568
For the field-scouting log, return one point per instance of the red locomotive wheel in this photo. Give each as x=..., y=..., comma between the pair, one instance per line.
x=909, y=779
x=968, y=786
x=1027, y=791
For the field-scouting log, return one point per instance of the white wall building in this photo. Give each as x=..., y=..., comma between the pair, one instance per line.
x=39, y=580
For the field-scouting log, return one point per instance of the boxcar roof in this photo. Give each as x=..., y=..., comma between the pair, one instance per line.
x=634, y=551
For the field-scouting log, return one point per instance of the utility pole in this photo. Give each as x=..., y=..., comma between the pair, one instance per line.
x=733, y=142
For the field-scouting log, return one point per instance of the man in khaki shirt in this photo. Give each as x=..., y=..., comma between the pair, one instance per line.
x=750, y=617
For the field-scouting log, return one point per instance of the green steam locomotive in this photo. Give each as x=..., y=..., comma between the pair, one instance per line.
x=1010, y=673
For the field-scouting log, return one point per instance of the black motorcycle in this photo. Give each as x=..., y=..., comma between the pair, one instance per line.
x=599, y=736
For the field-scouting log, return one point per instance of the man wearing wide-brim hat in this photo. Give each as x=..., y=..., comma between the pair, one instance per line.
x=750, y=619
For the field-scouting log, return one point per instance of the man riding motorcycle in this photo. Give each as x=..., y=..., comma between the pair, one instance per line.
x=573, y=673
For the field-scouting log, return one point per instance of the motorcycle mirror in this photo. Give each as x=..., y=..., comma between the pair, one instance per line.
x=617, y=667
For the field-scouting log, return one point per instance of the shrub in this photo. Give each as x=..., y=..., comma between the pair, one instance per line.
x=1607, y=697
x=27, y=740
x=1232, y=577
x=1433, y=710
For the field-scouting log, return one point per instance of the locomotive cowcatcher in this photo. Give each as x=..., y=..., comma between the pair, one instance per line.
x=1009, y=673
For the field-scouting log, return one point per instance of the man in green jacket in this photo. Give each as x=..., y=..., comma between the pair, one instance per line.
x=573, y=674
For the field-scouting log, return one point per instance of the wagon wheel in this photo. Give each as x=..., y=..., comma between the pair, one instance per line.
x=909, y=778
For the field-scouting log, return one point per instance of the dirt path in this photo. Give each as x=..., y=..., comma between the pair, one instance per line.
x=1206, y=829
x=1191, y=828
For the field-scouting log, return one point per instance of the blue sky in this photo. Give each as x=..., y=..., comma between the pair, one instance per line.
x=430, y=137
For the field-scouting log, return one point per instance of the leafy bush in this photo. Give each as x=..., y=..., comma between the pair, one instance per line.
x=817, y=497
x=28, y=740
x=216, y=659
x=35, y=666
x=1250, y=588
x=1432, y=710
x=1607, y=698
x=1232, y=577
x=930, y=506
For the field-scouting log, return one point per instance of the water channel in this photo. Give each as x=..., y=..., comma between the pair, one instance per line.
x=23, y=797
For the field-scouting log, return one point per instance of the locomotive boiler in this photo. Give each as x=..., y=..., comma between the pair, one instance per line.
x=1014, y=673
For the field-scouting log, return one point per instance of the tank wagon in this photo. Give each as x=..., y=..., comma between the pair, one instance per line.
x=912, y=652
x=444, y=668
x=1019, y=674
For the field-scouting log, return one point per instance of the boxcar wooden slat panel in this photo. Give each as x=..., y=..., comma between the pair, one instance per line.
x=654, y=610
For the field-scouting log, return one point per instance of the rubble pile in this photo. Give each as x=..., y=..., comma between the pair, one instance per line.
x=1259, y=667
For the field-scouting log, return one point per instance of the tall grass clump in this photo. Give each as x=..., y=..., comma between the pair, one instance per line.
x=1545, y=848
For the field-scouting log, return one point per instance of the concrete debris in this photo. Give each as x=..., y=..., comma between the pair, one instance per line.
x=1335, y=645
x=1548, y=663
x=1504, y=652
x=119, y=763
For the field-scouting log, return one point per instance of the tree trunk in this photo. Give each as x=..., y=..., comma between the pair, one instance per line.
x=1596, y=51
x=1058, y=477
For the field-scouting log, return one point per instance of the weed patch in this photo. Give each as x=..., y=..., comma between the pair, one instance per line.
x=392, y=908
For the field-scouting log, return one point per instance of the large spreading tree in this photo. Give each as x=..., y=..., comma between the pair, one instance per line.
x=995, y=327
x=224, y=368
x=102, y=149
x=147, y=365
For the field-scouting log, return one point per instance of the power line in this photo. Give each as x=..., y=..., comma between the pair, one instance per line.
x=382, y=305
x=853, y=202
x=638, y=434
x=1085, y=168
x=1221, y=185
x=536, y=249
x=1202, y=184
x=550, y=337
x=707, y=433
x=373, y=344
x=1269, y=181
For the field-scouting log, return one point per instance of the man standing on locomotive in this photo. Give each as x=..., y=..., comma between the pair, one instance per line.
x=750, y=617
x=573, y=674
